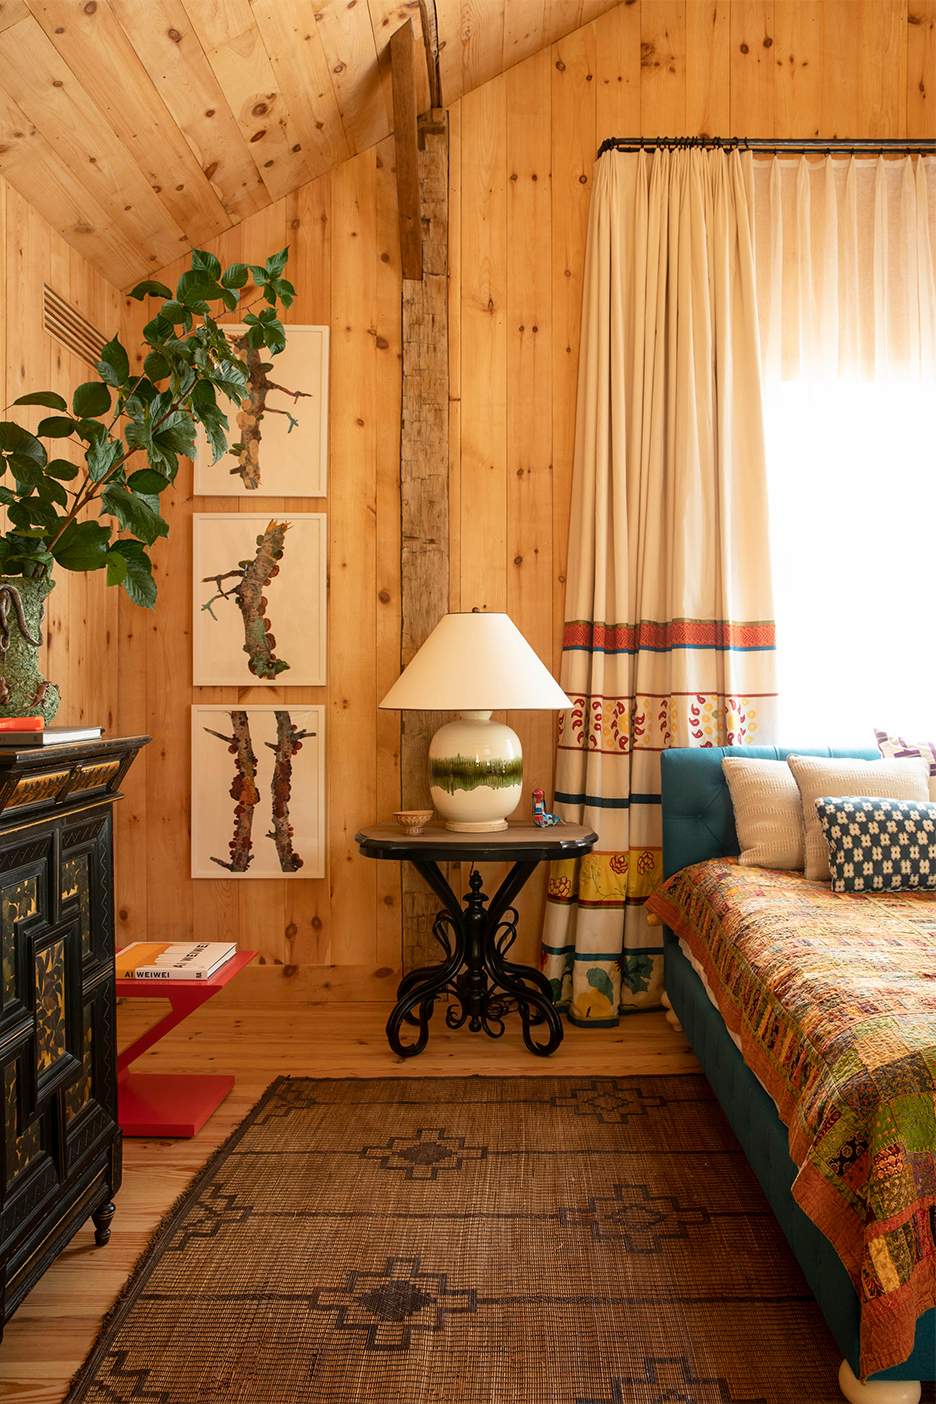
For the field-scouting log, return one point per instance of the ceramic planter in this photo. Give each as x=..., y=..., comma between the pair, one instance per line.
x=24, y=692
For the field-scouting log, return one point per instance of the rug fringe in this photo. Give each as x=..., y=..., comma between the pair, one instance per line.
x=163, y=1228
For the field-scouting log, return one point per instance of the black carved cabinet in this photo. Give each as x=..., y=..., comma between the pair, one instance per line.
x=60, y=1153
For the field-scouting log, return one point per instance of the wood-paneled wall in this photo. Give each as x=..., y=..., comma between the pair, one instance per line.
x=80, y=653
x=337, y=937
x=522, y=150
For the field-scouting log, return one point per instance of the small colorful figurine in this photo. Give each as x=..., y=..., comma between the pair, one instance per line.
x=540, y=818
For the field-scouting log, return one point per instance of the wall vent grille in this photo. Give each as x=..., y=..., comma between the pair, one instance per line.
x=74, y=332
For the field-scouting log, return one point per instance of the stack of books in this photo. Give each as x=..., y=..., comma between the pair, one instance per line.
x=18, y=733
x=166, y=960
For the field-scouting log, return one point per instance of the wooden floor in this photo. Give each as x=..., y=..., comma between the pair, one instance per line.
x=52, y=1332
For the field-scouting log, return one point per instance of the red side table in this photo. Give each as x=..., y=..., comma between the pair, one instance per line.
x=171, y=1104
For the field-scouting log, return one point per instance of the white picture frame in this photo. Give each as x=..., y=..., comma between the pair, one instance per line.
x=286, y=592
x=290, y=460
x=272, y=840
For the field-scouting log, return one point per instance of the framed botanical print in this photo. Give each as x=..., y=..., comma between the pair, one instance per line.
x=278, y=439
x=259, y=599
x=258, y=791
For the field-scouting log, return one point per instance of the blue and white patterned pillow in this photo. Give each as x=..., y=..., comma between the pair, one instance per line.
x=879, y=845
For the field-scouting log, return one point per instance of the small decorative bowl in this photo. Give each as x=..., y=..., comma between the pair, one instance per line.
x=413, y=821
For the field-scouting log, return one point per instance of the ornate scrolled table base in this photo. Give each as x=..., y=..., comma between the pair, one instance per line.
x=475, y=973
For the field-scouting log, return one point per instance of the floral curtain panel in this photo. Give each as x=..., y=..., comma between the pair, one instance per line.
x=669, y=639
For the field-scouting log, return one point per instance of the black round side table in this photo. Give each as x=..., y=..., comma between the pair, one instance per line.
x=476, y=937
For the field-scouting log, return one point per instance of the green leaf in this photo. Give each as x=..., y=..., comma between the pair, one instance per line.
x=235, y=390
x=61, y=468
x=114, y=365
x=149, y=288
x=28, y=475
x=102, y=457
x=51, y=491
x=139, y=583
x=215, y=424
x=172, y=312
x=17, y=550
x=204, y=394
x=235, y=276
x=47, y=398
x=134, y=513
x=6, y=496
x=93, y=397
x=277, y=262
x=158, y=331
x=139, y=434
x=19, y=449
x=156, y=366
x=146, y=480
x=275, y=337
x=82, y=546
x=259, y=275
x=203, y=262
x=116, y=568
x=229, y=299
x=56, y=428
x=195, y=290
x=135, y=407
x=91, y=430
x=285, y=292
x=31, y=511
x=177, y=434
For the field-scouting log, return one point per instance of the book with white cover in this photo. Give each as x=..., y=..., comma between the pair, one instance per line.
x=49, y=736
x=167, y=960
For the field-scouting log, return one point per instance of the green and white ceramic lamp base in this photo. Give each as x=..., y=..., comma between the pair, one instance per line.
x=475, y=773
x=472, y=661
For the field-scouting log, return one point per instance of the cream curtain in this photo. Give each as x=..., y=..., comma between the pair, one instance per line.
x=669, y=636
x=844, y=252
x=845, y=278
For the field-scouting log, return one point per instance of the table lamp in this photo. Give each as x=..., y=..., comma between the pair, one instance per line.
x=475, y=664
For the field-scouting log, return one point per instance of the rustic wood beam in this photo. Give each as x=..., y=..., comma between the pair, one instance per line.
x=405, y=139
x=424, y=496
x=430, y=31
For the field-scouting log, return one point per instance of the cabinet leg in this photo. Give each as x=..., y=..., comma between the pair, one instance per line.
x=101, y=1218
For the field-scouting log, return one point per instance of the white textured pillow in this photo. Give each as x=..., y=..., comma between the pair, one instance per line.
x=818, y=776
x=899, y=748
x=768, y=812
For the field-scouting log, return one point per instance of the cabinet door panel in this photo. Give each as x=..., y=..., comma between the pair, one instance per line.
x=90, y=1104
x=86, y=888
x=56, y=1000
x=28, y=1174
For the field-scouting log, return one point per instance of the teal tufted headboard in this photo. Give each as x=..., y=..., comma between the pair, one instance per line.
x=698, y=821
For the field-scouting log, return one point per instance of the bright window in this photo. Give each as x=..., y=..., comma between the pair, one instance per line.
x=852, y=474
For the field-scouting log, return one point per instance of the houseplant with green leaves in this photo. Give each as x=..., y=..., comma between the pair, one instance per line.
x=131, y=429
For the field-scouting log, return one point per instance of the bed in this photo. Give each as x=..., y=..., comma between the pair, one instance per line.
x=698, y=826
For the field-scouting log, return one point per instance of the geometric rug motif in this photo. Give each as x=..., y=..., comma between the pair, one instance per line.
x=528, y=1240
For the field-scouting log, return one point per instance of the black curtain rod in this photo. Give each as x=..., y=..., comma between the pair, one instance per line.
x=911, y=148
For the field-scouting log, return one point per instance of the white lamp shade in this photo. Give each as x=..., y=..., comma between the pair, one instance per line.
x=476, y=662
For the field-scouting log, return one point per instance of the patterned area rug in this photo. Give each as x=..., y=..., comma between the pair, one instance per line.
x=528, y=1240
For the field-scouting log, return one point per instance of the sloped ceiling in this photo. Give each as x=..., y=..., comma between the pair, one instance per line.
x=138, y=127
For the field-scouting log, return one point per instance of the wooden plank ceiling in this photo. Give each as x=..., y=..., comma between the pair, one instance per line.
x=138, y=127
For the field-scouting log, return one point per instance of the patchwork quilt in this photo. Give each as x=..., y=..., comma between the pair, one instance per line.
x=833, y=998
